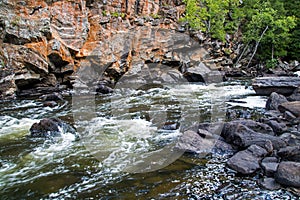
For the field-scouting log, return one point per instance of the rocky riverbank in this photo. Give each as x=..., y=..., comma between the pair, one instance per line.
x=268, y=147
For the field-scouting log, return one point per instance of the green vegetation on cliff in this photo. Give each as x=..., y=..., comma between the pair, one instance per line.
x=271, y=26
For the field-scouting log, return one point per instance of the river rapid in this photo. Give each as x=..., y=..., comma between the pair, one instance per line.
x=94, y=164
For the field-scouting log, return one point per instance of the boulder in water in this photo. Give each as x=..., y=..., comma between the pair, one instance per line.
x=50, y=127
x=280, y=85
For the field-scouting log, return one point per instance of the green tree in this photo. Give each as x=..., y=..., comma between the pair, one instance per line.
x=214, y=17
x=266, y=22
x=292, y=9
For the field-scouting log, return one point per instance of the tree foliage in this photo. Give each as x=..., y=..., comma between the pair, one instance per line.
x=214, y=17
x=267, y=22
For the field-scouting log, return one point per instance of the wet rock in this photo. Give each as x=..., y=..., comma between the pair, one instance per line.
x=50, y=103
x=37, y=92
x=26, y=80
x=269, y=166
x=275, y=100
x=293, y=107
x=192, y=142
x=222, y=147
x=255, y=126
x=104, y=89
x=278, y=128
x=291, y=153
x=50, y=127
x=52, y=97
x=257, y=151
x=289, y=116
x=290, y=139
x=214, y=128
x=269, y=183
x=242, y=136
x=280, y=85
x=295, y=96
x=288, y=174
x=170, y=126
x=247, y=161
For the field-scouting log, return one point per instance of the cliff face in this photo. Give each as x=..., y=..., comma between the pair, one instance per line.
x=44, y=43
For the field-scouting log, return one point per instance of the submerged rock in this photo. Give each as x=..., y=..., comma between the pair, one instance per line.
x=269, y=183
x=280, y=85
x=52, y=97
x=50, y=127
x=288, y=174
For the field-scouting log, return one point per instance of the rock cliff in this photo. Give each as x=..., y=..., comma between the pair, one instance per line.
x=44, y=43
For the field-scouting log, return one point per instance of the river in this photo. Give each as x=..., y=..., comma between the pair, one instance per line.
x=118, y=132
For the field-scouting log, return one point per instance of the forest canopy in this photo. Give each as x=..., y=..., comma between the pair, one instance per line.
x=272, y=25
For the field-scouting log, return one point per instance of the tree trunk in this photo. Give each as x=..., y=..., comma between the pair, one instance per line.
x=272, y=51
x=257, y=43
x=241, y=55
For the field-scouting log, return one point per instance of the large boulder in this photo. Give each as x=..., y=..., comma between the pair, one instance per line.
x=50, y=127
x=255, y=126
x=275, y=100
x=280, y=85
x=247, y=161
x=243, y=137
x=288, y=174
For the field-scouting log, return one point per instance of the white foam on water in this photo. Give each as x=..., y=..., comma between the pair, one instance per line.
x=12, y=128
x=119, y=143
x=250, y=102
x=54, y=145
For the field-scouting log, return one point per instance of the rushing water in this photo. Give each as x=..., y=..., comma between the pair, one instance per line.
x=119, y=131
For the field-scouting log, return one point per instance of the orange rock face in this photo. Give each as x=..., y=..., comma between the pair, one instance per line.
x=47, y=41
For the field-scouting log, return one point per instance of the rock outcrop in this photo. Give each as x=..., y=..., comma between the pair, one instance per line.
x=45, y=45
x=280, y=85
x=50, y=127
